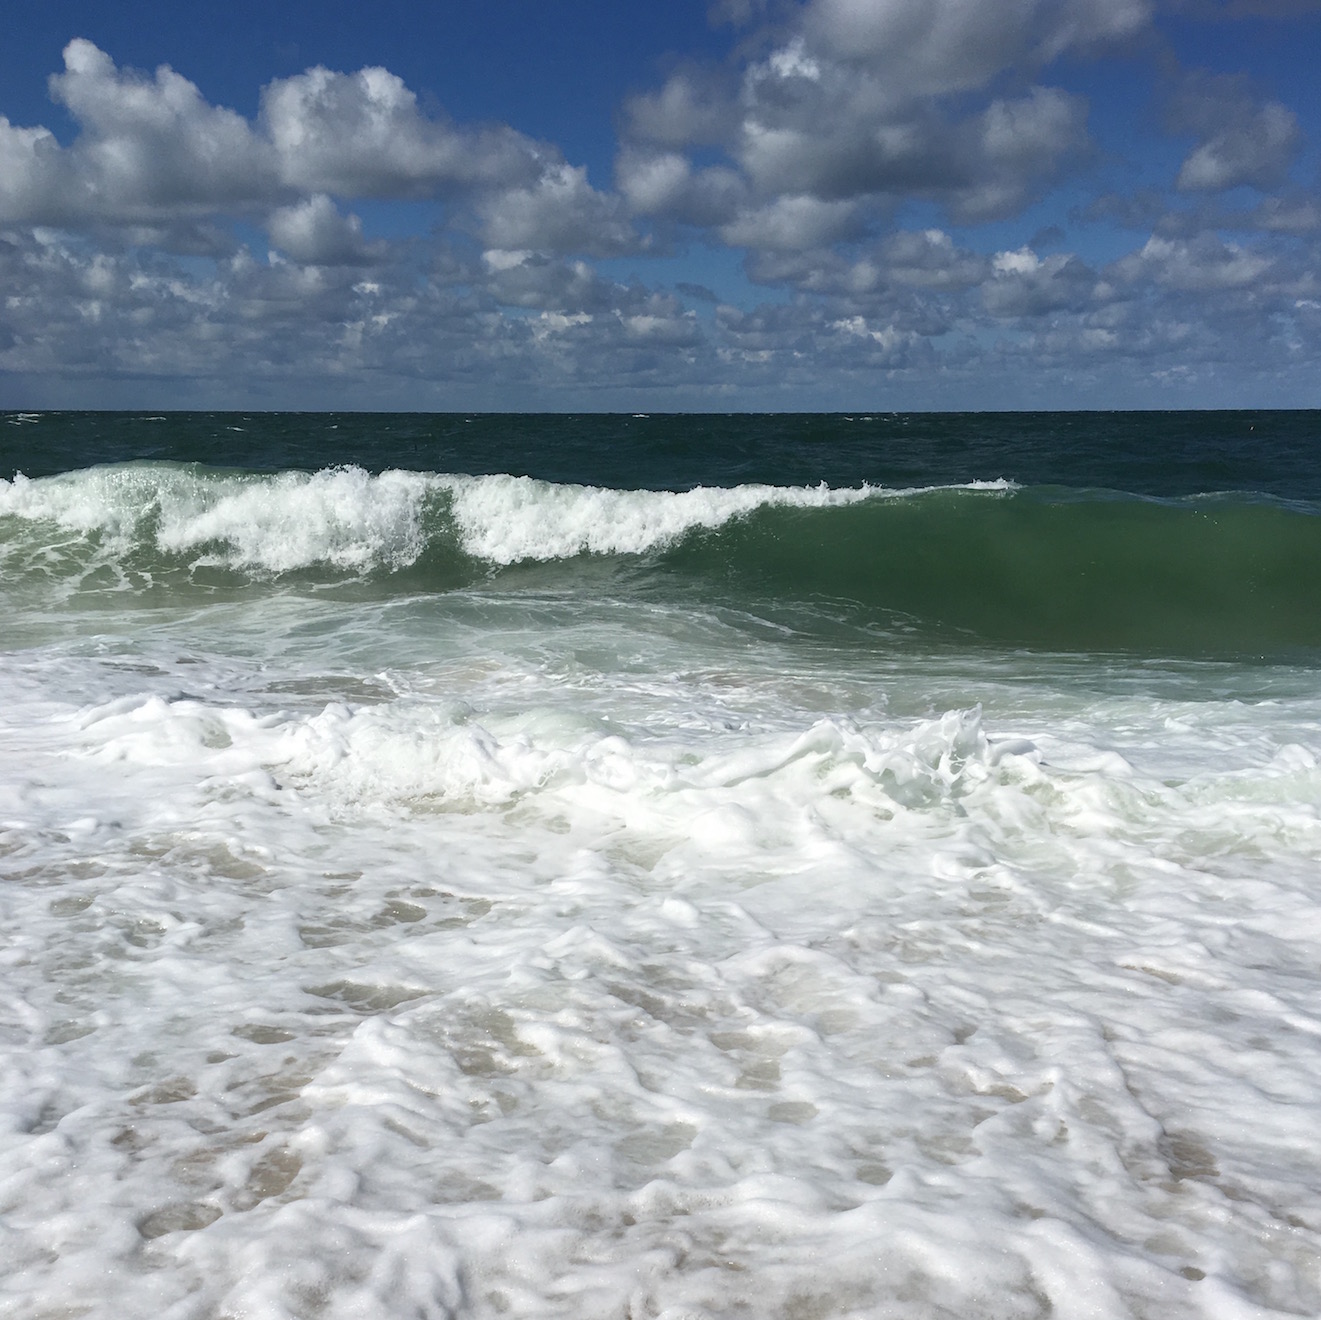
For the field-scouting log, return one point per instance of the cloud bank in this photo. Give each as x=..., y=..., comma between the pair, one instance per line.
x=865, y=162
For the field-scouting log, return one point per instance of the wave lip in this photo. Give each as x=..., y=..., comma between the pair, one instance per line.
x=347, y=519
x=506, y=520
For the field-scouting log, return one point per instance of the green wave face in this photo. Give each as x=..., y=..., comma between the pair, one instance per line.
x=1220, y=576
x=1228, y=575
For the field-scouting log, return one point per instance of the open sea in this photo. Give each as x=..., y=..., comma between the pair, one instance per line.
x=682, y=867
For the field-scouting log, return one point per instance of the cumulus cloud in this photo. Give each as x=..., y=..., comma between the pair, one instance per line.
x=1287, y=215
x=1258, y=150
x=800, y=221
x=1242, y=141
x=885, y=345
x=476, y=330
x=694, y=107
x=362, y=135
x=560, y=212
x=149, y=145
x=662, y=321
x=664, y=184
x=781, y=342
x=807, y=152
x=79, y=313
x=523, y=278
x=150, y=149
x=907, y=276
x=1201, y=265
x=868, y=101
x=872, y=288
x=316, y=233
x=933, y=47
x=34, y=179
x=824, y=143
x=1024, y=284
x=930, y=260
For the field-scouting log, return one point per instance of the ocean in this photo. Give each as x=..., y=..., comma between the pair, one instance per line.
x=685, y=867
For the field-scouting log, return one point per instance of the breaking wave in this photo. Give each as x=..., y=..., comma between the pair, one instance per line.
x=1226, y=574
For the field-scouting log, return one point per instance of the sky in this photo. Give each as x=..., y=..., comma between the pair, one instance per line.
x=714, y=205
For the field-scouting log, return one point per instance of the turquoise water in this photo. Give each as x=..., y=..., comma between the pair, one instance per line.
x=671, y=866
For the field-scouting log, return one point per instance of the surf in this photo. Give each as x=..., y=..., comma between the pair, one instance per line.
x=1233, y=574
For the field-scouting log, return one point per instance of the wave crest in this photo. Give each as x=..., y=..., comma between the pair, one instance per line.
x=1232, y=574
x=349, y=519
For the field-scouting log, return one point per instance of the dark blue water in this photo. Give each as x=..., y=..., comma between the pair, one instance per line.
x=1144, y=453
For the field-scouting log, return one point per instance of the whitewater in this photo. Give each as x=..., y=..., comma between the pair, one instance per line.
x=443, y=893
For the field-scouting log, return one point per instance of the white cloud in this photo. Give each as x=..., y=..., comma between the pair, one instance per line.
x=361, y=134
x=151, y=148
x=665, y=184
x=654, y=181
x=1288, y=215
x=1024, y=284
x=694, y=107
x=31, y=174
x=1242, y=140
x=663, y=321
x=560, y=212
x=314, y=232
x=982, y=166
x=535, y=280
x=929, y=260
x=147, y=146
x=915, y=307
x=1017, y=145
x=933, y=47
x=1201, y=265
x=499, y=259
x=906, y=261
x=804, y=153
x=789, y=223
x=1259, y=150
x=858, y=100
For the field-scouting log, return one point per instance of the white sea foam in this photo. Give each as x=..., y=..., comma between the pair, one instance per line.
x=447, y=959
x=343, y=517
x=506, y=519
x=350, y=519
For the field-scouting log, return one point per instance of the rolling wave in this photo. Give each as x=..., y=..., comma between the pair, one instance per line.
x=1228, y=574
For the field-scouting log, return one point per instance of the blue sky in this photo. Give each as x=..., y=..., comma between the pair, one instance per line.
x=745, y=204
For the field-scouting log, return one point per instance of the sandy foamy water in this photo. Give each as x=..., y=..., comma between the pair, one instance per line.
x=422, y=897
x=505, y=955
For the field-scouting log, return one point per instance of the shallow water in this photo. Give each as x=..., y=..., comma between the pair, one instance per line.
x=492, y=935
